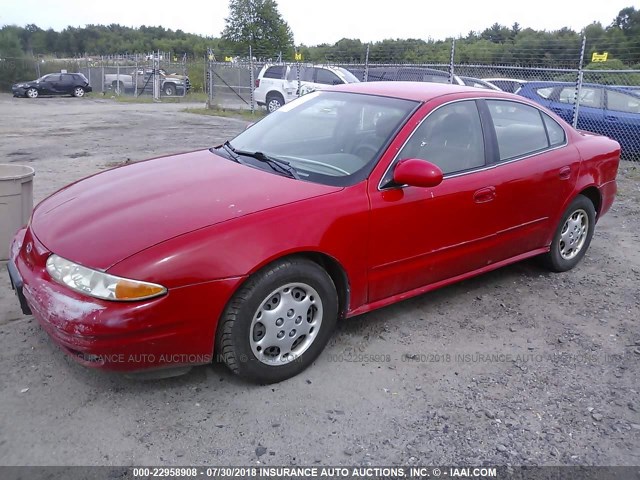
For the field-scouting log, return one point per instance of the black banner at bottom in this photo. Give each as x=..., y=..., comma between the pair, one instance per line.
x=337, y=472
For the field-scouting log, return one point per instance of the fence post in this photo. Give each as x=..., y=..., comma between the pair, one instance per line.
x=251, y=81
x=211, y=93
x=453, y=51
x=102, y=71
x=135, y=79
x=118, y=78
x=365, y=76
x=297, y=59
x=185, y=73
x=576, y=101
x=156, y=76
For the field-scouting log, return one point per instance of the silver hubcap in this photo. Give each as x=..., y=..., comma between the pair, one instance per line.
x=574, y=234
x=79, y=92
x=274, y=105
x=32, y=93
x=286, y=324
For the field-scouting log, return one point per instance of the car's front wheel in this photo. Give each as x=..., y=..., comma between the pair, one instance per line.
x=274, y=102
x=32, y=93
x=78, y=92
x=278, y=322
x=573, y=236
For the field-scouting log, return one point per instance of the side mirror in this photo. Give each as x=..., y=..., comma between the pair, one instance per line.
x=417, y=173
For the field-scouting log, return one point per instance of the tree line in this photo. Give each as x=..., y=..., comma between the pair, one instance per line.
x=257, y=23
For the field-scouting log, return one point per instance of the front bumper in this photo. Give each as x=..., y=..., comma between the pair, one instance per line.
x=17, y=285
x=18, y=91
x=175, y=330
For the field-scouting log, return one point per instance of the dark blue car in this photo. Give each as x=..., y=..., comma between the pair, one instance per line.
x=606, y=110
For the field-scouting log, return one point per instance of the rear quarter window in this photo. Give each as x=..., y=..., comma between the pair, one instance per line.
x=277, y=71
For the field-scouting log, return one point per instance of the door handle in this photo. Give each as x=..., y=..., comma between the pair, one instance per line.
x=565, y=173
x=484, y=195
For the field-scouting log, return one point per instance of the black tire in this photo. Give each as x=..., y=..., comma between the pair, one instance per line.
x=118, y=86
x=563, y=256
x=31, y=93
x=169, y=89
x=78, y=92
x=236, y=340
x=274, y=101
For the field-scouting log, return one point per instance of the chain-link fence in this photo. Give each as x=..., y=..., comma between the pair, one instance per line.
x=608, y=100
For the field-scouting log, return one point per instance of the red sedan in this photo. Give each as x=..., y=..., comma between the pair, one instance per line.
x=341, y=202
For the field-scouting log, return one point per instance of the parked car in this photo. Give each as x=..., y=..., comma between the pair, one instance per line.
x=346, y=200
x=277, y=85
x=75, y=84
x=404, y=74
x=476, y=82
x=604, y=109
x=630, y=88
x=511, y=85
x=170, y=85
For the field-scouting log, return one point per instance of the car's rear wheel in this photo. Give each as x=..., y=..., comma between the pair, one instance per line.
x=573, y=236
x=32, y=93
x=274, y=102
x=78, y=92
x=279, y=321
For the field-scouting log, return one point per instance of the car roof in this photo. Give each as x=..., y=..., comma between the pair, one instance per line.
x=419, y=91
x=572, y=84
x=494, y=79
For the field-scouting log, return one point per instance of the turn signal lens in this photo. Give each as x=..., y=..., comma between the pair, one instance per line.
x=131, y=290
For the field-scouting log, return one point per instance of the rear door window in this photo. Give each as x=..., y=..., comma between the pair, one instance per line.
x=519, y=128
x=622, y=102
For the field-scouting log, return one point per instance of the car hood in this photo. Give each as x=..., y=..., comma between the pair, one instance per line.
x=110, y=216
x=30, y=83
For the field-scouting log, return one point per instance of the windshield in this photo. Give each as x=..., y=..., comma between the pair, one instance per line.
x=328, y=137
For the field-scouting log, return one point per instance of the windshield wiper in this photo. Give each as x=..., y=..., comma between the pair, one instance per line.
x=226, y=146
x=276, y=165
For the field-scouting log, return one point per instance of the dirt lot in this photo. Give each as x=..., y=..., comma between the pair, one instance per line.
x=518, y=366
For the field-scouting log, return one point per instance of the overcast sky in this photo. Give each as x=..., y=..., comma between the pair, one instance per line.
x=323, y=21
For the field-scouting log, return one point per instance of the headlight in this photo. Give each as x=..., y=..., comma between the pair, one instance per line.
x=99, y=284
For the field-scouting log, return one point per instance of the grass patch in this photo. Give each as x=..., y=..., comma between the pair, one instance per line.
x=225, y=112
x=188, y=98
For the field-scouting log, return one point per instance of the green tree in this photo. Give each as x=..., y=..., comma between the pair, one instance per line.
x=256, y=23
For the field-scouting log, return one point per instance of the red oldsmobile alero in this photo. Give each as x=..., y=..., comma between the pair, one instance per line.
x=341, y=202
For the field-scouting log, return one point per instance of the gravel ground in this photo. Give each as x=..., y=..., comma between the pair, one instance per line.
x=518, y=366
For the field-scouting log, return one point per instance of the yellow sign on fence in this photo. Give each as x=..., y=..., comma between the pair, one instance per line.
x=228, y=59
x=599, y=57
x=297, y=57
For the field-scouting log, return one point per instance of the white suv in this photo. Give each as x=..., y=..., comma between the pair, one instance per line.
x=277, y=85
